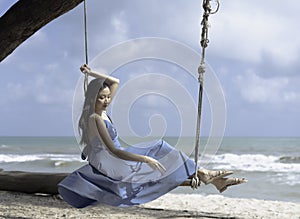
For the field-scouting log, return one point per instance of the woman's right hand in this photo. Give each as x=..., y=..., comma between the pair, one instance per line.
x=154, y=164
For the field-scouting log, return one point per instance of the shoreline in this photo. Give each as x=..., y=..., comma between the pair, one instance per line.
x=21, y=205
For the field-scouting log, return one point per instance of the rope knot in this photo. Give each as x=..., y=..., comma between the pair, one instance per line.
x=201, y=68
x=195, y=183
x=204, y=43
x=207, y=7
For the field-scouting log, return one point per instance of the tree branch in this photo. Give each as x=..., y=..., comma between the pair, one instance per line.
x=25, y=18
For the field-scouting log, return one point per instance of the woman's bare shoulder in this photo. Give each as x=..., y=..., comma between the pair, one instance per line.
x=94, y=116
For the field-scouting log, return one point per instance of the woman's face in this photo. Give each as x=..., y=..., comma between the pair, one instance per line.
x=103, y=99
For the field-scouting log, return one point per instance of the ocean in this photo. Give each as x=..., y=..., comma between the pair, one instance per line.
x=271, y=165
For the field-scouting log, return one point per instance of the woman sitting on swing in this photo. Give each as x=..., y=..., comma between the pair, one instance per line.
x=125, y=177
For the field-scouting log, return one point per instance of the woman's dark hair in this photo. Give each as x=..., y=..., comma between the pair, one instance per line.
x=93, y=88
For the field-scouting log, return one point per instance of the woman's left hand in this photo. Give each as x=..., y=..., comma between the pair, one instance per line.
x=154, y=164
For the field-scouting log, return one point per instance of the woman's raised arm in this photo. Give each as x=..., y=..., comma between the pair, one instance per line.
x=112, y=82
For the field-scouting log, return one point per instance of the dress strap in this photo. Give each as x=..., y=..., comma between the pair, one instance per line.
x=109, y=118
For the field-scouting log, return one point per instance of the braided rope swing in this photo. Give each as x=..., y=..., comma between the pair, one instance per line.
x=86, y=79
x=195, y=182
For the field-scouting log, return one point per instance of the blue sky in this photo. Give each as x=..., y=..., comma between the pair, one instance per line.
x=253, y=50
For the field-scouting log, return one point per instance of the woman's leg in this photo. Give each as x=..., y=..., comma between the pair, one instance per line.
x=208, y=176
x=223, y=183
x=220, y=183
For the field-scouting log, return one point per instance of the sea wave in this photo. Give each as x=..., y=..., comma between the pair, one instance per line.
x=6, y=158
x=289, y=159
x=256, y=162
x=243, y=162
x=290, y=179
x=41, y=162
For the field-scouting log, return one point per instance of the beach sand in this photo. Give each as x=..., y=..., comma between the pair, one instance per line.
x=19, y=205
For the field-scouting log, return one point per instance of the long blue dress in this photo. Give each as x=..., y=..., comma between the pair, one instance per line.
x=113, y=181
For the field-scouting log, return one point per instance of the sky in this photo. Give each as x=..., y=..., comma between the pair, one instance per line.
x=253, y=52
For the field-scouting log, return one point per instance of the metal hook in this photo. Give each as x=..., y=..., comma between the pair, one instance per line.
x=207, y=6
x=217, y=9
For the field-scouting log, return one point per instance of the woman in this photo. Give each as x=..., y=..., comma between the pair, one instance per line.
x=125, y=177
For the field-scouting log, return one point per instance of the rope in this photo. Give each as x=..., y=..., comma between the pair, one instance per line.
x=201, y=70
x=85, y=46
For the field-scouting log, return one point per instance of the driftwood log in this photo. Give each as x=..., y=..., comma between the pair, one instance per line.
x=35, y=182
x=30, y=182
x=26, y=17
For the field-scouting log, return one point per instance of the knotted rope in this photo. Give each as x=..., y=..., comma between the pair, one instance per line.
x=195, y=183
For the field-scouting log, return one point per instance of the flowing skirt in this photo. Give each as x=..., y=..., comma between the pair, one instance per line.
x=88, y=186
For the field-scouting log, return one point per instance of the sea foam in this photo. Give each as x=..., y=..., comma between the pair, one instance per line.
x=255, y=162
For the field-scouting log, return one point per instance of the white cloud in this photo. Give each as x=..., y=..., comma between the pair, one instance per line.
x=39, y=91
x=45, y=93
x=16, y=91
x=246, y=32
x=112, y=28
x=118, y=23
x=255, y=89
x=42, y=88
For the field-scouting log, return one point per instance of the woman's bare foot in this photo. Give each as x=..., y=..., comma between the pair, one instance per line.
x=208, y=176
x=223, y=183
